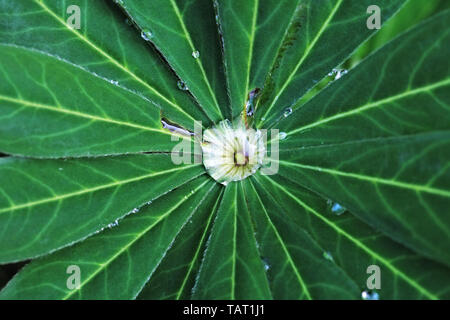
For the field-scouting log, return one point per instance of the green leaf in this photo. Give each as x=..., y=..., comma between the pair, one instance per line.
x=252, y=33
x=354, y=246
x=49, y=204
x=399, y=185
x=294, y=262
x=412, y=13
x=363, y=175
x=54, y=109
x=389, y=162
x=231, y=267
x=181, y=30
x=175, y=276
x=323, y=34
x=105, y=45
x=403, y=91
x=117, y=256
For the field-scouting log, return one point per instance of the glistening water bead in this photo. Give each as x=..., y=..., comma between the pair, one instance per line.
x=232, y=152
x=146, y=35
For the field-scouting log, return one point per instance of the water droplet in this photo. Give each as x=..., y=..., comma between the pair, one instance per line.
x=135, y=210
x=60, y=169
x=113, y=224
x=370, y=295
x=146, y=35
x=118, y=1
x=196, y=54
x=114, y=82
x=182, y=85
x=335, y=208
x=266, y=264
x=338, y=73
x=282, y=135
x=287, y=112
x=128, y=21
x=327, y=255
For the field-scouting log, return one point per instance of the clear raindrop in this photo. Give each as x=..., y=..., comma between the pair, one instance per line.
x=287, y=112
x=196, y=54
x=327, y=255
x=266, y=264
x=336, y=208
x=182, y=85
x=370, y=295
x=113, y=224
x=282, y=135
x=147, y=35
x=338, y=73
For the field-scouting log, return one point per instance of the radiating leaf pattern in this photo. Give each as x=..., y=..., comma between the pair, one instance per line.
x=179, y=29
x=120, y=256
x=176, y=274
x=40, y=204
x=231, y=268
x=249, y=51
x=354, y=246
x=394, y=150
x=90, y=180
x=106, y=45
x=396, y=173
x=300, y=270
x=69, y=101
x=317, y=42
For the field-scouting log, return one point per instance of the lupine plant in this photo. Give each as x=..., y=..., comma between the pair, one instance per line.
x=225, y=149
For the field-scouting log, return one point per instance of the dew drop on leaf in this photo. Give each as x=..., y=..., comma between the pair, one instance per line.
x=327, y=255
x=196, y=54
x=370, y=295
x=335, y=208
x=146, y=35
x=287, y=112
x=182, y=85
x=282, y=135
x=266, y=264
x=113, y=224
x=337, y=73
